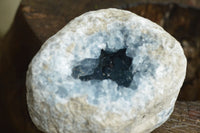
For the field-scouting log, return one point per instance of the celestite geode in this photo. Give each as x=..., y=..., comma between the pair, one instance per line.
x=107, y=71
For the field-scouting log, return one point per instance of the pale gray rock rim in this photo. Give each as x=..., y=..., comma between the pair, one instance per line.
x=58, y=103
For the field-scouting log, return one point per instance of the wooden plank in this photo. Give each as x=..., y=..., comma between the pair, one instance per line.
x=46, y=17
x=184, y=119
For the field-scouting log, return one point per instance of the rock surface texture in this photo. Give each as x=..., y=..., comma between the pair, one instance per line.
x=107, y=71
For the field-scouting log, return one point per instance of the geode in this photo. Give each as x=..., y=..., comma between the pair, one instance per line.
x=106, y=71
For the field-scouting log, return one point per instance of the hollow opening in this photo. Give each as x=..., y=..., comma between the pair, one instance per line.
x=110, y=65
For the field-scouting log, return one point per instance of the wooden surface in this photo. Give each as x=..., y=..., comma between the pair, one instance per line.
x=46, y=17
x=37, y=20
x=184, y=119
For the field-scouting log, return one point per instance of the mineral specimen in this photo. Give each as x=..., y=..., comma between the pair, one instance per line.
x=107, y=71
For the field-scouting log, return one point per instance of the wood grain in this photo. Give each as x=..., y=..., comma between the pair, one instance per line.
x=46, y=17
x=184, y=119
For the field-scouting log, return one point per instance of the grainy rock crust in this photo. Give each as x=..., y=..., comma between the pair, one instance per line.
x=60, y=103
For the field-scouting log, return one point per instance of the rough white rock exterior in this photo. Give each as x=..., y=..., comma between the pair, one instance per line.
x=60, y=103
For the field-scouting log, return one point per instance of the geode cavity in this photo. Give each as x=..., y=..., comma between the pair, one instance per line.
x=111, y=65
